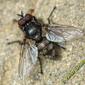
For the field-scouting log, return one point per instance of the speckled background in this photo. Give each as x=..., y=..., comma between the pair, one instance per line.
x=68, y=12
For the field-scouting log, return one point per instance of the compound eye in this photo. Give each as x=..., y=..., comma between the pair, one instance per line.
x=21, y=22
x=28, y=17
x=25, y=20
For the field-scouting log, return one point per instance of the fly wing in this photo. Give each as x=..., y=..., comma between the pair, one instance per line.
x=27, y=61
x=33, y=53
x=60, y=34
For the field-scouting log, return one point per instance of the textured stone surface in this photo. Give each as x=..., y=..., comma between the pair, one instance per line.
x=68, y=12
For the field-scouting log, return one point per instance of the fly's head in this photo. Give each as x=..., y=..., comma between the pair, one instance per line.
x=30, y=26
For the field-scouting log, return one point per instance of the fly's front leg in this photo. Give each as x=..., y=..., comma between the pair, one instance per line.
x=50, y=21
x=50, y=16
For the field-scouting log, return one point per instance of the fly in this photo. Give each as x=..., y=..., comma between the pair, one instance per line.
x=41, y=40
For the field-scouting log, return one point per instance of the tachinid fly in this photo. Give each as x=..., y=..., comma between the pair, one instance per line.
x=41, y=39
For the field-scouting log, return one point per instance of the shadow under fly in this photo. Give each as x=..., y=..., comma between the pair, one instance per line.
x=41, y=39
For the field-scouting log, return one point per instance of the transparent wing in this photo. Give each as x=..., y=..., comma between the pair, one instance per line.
x=27, y=61
x=63, y=33
x=52, y=36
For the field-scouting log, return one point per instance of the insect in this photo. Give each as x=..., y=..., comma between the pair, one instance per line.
x=41, y=39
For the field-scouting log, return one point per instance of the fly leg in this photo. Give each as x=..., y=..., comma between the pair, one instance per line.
x=17, y=41
x=50, y=21
x=40, y=62
x=50, y=16
x=21, y=43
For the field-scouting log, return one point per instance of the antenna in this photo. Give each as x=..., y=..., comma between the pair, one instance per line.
x=21, y=15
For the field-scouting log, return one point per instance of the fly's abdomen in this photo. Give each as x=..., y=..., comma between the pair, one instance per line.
x=43, y=44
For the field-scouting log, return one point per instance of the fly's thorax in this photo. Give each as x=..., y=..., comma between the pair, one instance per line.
x=33, y=31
